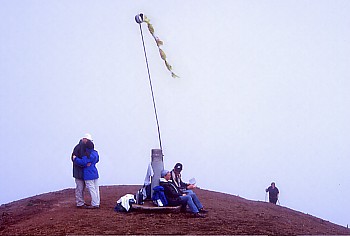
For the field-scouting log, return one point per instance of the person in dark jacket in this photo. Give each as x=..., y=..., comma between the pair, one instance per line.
x=273, y=193
x=90, y=173
x=176, y=178
x=79, y=152
x=175, y=197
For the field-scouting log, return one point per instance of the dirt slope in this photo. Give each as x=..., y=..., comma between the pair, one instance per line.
x=55, y=214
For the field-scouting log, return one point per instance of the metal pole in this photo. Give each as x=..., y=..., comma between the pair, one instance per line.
x=150, y=84
x=157, y=154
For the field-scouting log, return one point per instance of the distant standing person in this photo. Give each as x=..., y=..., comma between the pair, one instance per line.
x=78, y=152
x=90, y=173
x=273, y=193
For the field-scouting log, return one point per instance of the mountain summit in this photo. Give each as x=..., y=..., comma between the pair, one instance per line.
x=55, y=214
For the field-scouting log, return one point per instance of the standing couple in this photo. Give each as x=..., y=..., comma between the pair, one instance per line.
x=84, y=159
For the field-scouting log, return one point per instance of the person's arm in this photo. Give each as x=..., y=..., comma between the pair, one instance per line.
x=191, y=186
x=170, y=191
x=97, y=157
x=75, y=152
x=186, y=185
x=183, y=184
x=94, y=158
x=82, y=162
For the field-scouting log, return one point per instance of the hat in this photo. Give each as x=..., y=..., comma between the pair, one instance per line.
x=178, y=167
x=163, y=173
x=88, y=136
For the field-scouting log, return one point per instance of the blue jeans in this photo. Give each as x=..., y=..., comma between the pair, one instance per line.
x=192, y=201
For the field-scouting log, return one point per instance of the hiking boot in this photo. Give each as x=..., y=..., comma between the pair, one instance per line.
x=82, y=206
x=202, y=210
x=198, y=215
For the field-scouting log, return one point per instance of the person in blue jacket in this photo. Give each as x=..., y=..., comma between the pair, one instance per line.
x=90, y=173
x=78, y=171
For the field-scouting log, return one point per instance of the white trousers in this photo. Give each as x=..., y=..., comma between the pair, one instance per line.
x=79, y=192
x=92, y=186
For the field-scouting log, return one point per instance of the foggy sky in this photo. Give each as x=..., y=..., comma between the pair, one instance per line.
x=263, y=96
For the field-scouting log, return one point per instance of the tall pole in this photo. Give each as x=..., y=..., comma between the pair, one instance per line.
x=139, y=21
x=156, y=154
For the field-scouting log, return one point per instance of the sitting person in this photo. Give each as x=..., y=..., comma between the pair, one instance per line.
x=175, y=197
x=176, y=178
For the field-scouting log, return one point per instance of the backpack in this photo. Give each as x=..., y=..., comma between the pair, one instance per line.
x=143, y=194
x=158, y=197
x=120, y=208
x=139, y=197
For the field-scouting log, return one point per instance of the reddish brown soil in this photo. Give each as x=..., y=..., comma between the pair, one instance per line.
x=55, y=214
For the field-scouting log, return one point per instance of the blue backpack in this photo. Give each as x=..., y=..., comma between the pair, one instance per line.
x=158, y=197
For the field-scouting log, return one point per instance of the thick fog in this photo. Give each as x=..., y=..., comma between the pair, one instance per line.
x=263, y=96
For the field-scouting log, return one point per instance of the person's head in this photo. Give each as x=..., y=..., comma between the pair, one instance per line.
x=178, y=168
x=89, y=144
x=165, y=174
x=273, y=185
x=87, y=137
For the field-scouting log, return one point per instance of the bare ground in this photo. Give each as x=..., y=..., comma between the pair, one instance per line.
x=55, y=214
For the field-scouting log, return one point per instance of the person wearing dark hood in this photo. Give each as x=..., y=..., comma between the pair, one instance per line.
x=90, y=173
x=273, y=193
x=175, y=197
x=79, y=152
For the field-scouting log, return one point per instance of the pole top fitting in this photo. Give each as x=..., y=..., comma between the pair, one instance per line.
x=139, y=18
